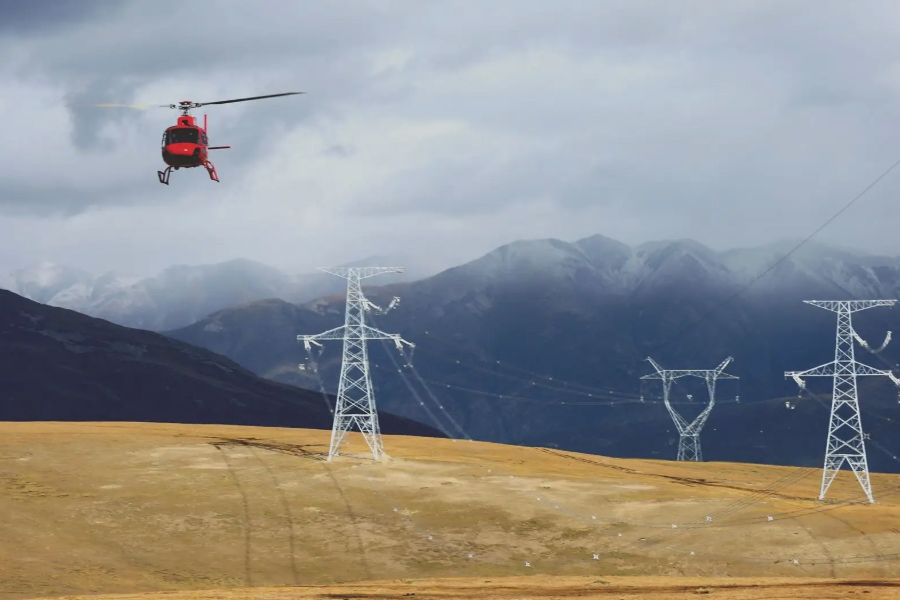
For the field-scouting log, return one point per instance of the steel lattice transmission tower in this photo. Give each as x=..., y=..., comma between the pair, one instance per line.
x=689, y=440
x=355, y=399
x=846, y=440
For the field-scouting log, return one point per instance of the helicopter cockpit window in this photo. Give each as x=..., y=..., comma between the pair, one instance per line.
x=182, y=136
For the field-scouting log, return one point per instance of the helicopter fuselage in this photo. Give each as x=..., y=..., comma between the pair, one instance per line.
x=185, y=145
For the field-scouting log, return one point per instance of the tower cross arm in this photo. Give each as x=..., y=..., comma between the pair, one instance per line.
x=850, y=305
x=717, y=373
x=669, y=374
x=363, y=272
x=332, y=334
x=664, y=373
x=720, y=370
x=672, y=373
x=829, y=370
x=826, y=370
x=863, y=369
x=371, y=333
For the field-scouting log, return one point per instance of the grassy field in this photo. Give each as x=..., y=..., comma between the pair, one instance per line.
x=124, y=508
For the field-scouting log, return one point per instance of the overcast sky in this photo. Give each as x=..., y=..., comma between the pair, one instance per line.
x=443, y=129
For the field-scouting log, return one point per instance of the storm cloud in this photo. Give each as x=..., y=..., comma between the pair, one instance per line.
x=443, y=128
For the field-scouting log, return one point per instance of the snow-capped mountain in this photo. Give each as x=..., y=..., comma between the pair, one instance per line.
x=178, y=296
x=43, y=281
x=619, y=268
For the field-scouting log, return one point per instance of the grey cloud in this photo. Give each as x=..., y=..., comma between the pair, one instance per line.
x=694, y=112
x=26, y=17
x=317, y=48
x=147, y=39
x=468, y=187
x=51, y=199
x=340, y=150
x=88, y=120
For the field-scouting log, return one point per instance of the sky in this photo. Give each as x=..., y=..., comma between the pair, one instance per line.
x=440, y=130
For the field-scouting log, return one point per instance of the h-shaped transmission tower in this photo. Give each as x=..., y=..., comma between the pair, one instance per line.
x=689, y=440
x=845, y=433
x=355, y=399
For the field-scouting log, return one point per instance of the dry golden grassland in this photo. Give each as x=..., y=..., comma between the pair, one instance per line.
x=209, y=511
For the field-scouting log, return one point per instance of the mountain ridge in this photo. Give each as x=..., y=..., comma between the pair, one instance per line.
x=61, y=365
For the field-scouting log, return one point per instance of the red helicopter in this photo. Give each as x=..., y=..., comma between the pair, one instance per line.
x=185, y=145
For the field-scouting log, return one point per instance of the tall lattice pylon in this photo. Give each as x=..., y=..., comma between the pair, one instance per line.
x=689, y=433
x=355, y=399
x=846, y=440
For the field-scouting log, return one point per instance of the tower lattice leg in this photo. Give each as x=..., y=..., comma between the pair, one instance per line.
x=689, y=447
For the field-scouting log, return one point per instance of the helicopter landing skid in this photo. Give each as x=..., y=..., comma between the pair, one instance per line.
x=164, y=175
x=211, y=168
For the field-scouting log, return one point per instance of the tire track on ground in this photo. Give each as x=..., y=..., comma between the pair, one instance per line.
x=246, y=520
x=354, y=521
x=882, y=558
x=289, y=518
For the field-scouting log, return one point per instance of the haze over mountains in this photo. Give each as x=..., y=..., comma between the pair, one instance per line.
x=181, y=294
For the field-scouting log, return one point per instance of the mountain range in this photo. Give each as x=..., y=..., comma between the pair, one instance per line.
x=181, y=294
x=530, y=343
x=60, y=365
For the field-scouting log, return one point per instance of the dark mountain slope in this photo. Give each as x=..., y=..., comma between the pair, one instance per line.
x=60, y=365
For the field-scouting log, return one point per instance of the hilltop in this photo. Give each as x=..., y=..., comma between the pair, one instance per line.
x=61, y=365
x=133, y=508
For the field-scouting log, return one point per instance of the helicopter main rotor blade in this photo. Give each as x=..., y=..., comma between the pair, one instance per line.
x=246, y=99
x=138, y=106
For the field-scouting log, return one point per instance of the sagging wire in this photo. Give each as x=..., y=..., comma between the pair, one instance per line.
x=585, y=389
